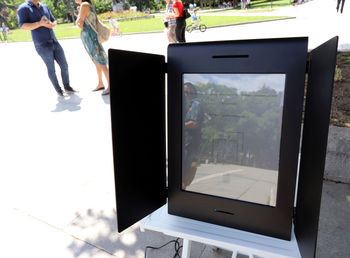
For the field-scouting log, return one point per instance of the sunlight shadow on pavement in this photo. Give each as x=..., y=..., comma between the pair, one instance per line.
x=99, y=228
x=72, y=103
x=106, y=99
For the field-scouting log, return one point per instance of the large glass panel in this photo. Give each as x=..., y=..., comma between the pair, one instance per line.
x=231, y=135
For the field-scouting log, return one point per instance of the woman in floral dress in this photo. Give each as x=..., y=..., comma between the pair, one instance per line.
x=87, y=22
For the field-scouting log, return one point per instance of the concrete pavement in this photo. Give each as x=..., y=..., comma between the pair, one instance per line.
x=56, y=181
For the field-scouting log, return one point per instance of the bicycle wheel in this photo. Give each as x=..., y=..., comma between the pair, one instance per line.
x=189, y=28
x=202, y=27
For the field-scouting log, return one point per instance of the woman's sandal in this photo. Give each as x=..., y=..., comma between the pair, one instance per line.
x=98, y=88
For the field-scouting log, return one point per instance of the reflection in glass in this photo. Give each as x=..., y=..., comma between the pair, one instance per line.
x=231, y=135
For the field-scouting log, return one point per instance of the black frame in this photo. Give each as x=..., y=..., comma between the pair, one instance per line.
x=141, y=182
x=270, y=56
x=138, y=132
x=321, y=72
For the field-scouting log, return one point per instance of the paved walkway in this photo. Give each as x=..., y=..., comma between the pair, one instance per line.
x=56, y=181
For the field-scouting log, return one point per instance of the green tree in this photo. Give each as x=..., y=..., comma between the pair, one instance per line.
x=140, y=4
x=8, y=12
x=102, y=6
x=63, y=10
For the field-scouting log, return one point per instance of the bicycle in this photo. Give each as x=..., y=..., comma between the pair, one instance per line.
x=194, y=26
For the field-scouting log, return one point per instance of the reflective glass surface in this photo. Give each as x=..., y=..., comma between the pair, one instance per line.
x=231, y=135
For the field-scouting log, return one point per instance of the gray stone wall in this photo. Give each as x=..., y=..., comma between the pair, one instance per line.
x=338, y=155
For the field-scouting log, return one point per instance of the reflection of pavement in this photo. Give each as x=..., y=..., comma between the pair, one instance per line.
x=236, y=182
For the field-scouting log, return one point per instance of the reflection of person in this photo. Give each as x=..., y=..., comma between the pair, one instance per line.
x=87, y=21
x=180, y=21
x=37, y=18
x=192, y=133
x=171, y=22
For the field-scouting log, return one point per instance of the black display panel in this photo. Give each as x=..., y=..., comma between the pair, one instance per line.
x=209, y=192
x=137, y=102
x=231, y=135
x=321, y=72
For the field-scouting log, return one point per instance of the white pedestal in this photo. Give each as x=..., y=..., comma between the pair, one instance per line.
x=237, y=241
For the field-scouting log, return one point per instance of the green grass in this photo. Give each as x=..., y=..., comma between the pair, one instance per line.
x=145, y=25
x=69, y=30
x=224, y=20
x=258, y=4
x=267, y=4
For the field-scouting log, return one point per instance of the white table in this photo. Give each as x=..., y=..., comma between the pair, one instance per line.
x=237, y=241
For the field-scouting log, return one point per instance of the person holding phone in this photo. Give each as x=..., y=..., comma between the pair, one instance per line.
x=37, y=17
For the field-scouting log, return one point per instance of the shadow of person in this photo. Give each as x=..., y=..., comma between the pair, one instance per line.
x=106, y=99
x=71, y=103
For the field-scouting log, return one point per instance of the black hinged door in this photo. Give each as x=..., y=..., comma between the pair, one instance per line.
x=137, y=102
x=314, y=144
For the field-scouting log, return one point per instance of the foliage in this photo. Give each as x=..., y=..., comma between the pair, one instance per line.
x=269, y=3
x=62, y=9
x=157, y=5
x=8, y=12
x=120, y=14
x=126, y=6
x=145, y=4
x=338, y=75
x=102, y=6
x=204, y=4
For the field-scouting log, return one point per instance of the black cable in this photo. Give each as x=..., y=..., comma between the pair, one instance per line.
x=177, y=247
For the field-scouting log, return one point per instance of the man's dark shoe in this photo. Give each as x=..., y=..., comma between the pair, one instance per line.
x=60, y=93
x=69, y=89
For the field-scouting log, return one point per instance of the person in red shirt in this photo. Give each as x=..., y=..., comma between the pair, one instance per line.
x=180, y=21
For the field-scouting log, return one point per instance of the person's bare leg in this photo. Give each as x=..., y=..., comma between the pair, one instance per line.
x=105, y=71
x=100, y=85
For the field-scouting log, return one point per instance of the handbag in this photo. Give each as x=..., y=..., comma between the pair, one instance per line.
x=103, y=31
x=185, y=13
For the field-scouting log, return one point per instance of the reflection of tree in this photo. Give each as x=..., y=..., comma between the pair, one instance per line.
x=240, y=127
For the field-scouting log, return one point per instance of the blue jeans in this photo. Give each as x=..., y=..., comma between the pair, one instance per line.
x=50, y=52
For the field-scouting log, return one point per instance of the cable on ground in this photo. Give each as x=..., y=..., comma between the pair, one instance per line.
x=177, y=247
